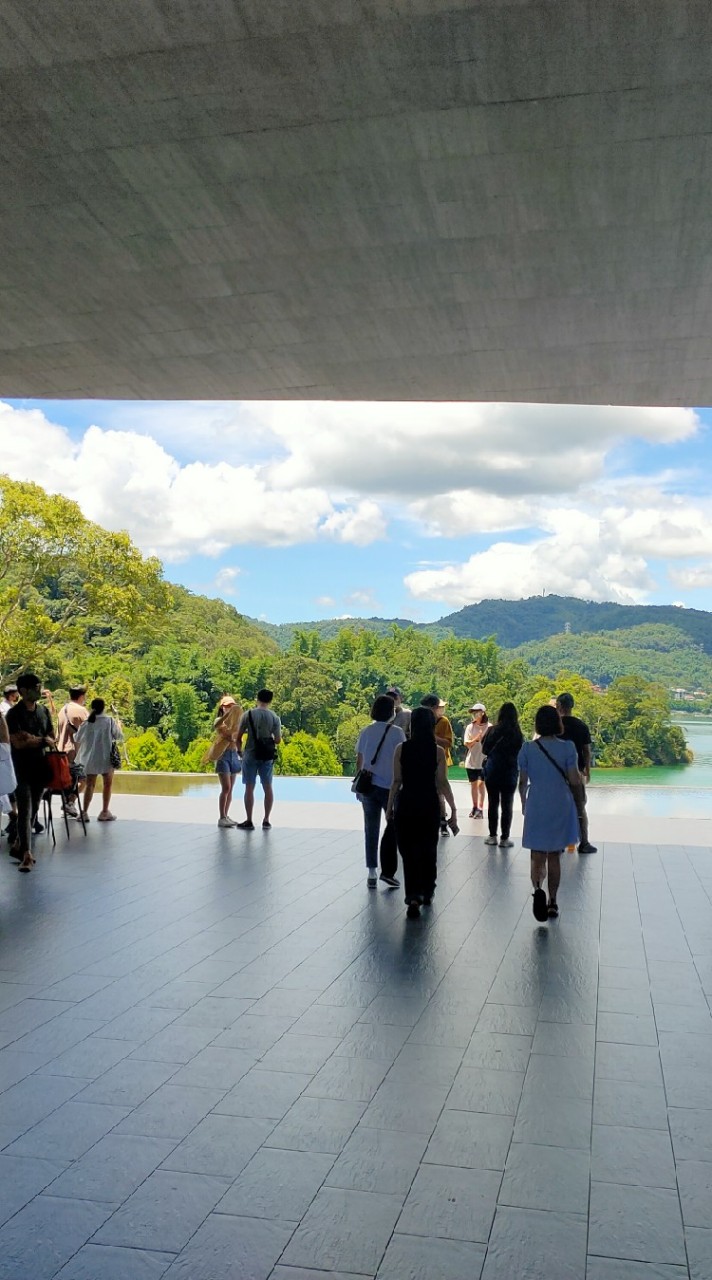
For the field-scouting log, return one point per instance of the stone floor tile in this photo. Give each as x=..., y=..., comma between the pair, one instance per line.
x=22, y=1178
x=641, y=1157
x=253, y=1033
x=328, y=1020
x=691, y=1132
x=109, y=1262
x=170, y=1112
x=619, y=1269
x=299, y=1053
x=174, y=1044
x=89, y=1059
x=268, y=1094
x=458, y=1204
x=413, y=1258
x=626, y=1028
x=368, y=1040
x=37, y=1242
x=395, y=1011
x=477, y=1089
x=564, y=1040
x=378, y=1160
x=470, y=1140
x=129, y=1083
x=220, y=1145
x=317, y=1124
x=112, y=1169
x=348, y=1079
x=213, y=1011
x=215, y=1068
x=624, y=1000
x=527, y=1242
x=164, y=1212
x=497, y=1052
x=639, y=1063
x=699, y=1252
x=225, y=1248
x=639, y=1223
x=682, y=1019
x=694, y=1178
x=308, y=1273
x=574, y=1077
x=508, y=1019
x=139, y=1024
x=565, y=1124
x=68, y=1132
x=277, y=1184
x=537, y=1177
x=624, y=1102
x=407, y=1108
x=344, y=1231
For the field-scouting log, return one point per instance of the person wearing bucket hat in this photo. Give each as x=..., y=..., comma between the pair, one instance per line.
x=474, y=760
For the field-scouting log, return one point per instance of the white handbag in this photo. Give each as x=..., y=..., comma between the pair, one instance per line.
x=8, y=781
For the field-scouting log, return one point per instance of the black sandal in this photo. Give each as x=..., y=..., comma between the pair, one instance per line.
x=553, y=911
x=539, y=907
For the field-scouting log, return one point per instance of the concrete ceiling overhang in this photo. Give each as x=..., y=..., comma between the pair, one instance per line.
x=362, y=199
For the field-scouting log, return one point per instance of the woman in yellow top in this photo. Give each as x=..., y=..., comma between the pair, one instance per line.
x=444, y=737
x=225, y=753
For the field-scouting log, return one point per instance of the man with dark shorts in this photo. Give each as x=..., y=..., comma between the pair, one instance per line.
x=577, y=731
x=31, y=732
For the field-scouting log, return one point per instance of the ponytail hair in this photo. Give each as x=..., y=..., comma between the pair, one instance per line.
x=97, y=706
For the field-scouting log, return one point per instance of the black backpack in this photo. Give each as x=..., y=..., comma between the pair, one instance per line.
x=263, y=748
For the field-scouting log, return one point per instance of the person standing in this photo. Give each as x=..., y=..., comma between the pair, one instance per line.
x=9, y=699
x=31, y=733
x=419, y=789
x=402, y=714
x=263, y=733
x=474, y=760
x=547, y=772
x=95, y=742
x=225, y=752
x=577, y=731
x=444, y=738
x=71, y=715
x=374, y=751
x=501, y=746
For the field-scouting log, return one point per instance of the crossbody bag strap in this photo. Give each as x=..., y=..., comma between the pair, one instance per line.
x=553, y=761
x=378, y=748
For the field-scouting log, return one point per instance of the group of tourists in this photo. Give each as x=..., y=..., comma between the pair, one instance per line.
x=402, y=759
x=87, y=738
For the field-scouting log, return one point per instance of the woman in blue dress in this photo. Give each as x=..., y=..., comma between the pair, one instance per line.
x=547, y=770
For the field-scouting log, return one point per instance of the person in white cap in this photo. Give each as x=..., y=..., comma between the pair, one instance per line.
x=474, y=761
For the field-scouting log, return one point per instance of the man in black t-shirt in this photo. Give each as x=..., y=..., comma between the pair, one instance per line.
x=577, y=731
x=31, y=732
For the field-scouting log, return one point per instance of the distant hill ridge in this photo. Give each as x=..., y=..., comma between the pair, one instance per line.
x=517, y=622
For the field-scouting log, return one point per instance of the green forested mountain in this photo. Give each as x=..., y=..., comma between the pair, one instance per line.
x=655, y=651
x=326, y=628
x=515, y=622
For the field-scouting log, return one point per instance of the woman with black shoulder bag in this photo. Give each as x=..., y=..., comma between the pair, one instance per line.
x=374, y=773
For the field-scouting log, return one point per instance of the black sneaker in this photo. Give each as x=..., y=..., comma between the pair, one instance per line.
x=246, y=826
x=587, y=847
x=413, y=911
x=37, y=827
x=390, y=881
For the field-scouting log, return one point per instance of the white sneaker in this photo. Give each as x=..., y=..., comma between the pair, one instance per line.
x=506, y=844
x=225, y=822
x=491, y=840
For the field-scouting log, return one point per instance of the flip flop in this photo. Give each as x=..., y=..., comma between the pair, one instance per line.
x=539, y=907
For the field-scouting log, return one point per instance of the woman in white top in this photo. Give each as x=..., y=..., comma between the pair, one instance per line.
x=94, y=740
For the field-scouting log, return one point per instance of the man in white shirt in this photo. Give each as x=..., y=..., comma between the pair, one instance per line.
x=9, y=698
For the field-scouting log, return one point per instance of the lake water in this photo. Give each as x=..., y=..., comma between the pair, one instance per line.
x=680, y=791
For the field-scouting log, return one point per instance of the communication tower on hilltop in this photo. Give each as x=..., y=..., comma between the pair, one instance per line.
x=567, y=628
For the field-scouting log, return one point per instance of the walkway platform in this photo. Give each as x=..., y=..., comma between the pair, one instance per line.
x=223, y=1058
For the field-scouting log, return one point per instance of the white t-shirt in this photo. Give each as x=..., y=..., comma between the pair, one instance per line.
x=367, y=745
x=474, y=733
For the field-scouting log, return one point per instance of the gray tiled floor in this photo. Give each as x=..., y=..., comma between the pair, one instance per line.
x=221, y=1055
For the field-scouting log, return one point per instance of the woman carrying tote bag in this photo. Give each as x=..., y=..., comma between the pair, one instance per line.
x=97, y=752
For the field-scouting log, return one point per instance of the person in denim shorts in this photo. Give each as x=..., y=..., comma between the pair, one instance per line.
x=229, y=763
x=259, y=722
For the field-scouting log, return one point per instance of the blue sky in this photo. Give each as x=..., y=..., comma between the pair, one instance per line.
x=294, y=511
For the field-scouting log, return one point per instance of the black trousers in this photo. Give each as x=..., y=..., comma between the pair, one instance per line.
x=500, y=792
x=417, y=831
x=28, y=795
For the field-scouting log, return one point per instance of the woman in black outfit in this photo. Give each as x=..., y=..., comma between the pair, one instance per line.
x=419, y=780
x=500, y=746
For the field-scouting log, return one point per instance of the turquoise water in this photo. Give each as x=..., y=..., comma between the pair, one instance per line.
x=680, y=791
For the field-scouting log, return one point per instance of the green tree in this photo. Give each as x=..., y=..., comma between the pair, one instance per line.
x=306, y=754
x=186, y=714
